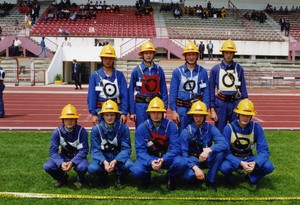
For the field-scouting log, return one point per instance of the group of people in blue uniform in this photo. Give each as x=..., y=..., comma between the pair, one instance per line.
x=184, y=145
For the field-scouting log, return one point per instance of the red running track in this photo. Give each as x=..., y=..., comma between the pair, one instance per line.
x=38, y=108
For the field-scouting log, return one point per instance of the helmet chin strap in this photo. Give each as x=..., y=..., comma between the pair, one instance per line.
x=191, y=63
x=199, y=126
x=148, y=62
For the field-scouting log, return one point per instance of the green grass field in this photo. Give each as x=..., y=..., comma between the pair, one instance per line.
x=23, y=154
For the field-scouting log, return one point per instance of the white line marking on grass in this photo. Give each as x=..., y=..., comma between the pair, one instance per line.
x=66, y=196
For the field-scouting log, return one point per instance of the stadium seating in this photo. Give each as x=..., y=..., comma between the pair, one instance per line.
x=111, y=24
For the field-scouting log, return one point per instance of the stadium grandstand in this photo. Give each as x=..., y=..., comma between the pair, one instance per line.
x=269, y=55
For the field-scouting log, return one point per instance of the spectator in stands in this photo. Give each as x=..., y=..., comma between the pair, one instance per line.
x=201, y=49
x=73, y=16
x=210, y=48
x=282, y=23
x=16, y=25
x=281, y=12
x=37, y=9
x=177, y=13
x=137, y=5
x=223, y=12
x=269, y=9
x=208, y=5
x=189, y=83
x=66, y=43
x=286, y=10
x=287, y=28
x=146, y=82
x=27, y=21
x=254, y=15
x=32, y=16
x=63, y=32
x=117, y=8
x=17, y=43
x=262, y=17
x=43, y=47
x=69, y=149
x=138, y=12
x=227, y=86
x=247, y=16
x=107, y=83
x=2, y=12
x=249, y=149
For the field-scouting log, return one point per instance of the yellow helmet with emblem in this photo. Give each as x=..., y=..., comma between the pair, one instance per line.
x=198, y=108
x=147, y=46
x=228, y=45
x=109, y=106
x=69, y=112
x=245, y=107
x=190, y=48
x=108, y=51
x=156, y=105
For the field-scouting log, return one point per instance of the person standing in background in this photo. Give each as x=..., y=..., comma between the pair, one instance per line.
x=43, y=47
x=76, y=71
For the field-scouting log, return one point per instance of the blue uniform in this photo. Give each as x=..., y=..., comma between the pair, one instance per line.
x=187, y=87
x=2, y=112
x=229, y=81
x=193, y=140
x=110, y=144
x=146, y=84
x=68, y=146
x=242, y=149
x=147, y=150
x=103, y=88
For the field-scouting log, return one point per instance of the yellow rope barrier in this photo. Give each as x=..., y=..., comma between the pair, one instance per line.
x=65, y=196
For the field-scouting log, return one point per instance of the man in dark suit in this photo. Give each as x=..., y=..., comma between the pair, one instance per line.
x=201, y=50
x=76, y=74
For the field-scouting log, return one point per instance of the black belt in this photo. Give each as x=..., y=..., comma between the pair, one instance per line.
x=144, y=99
x=187, y=103
x=226, y=98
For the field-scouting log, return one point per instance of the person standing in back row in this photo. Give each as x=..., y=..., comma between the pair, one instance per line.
x=146, y=82
x=227, y=86
x=107, y=83
x=189, y=83
x=76, y=71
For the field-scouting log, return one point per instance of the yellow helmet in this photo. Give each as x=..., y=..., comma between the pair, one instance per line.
x=245, y=107
x=190, y=48
x=156, y=105
x=147, y=46
x=198, y=108
x=228, y=45
x=69, y=112
x=108, y=51
x=109, y=106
